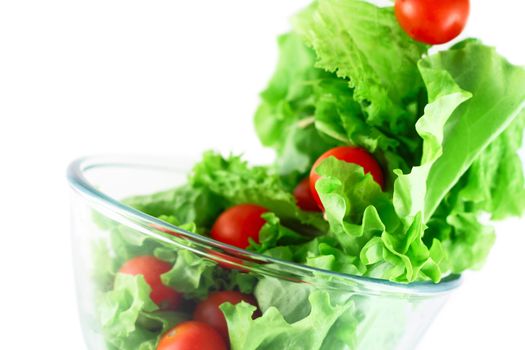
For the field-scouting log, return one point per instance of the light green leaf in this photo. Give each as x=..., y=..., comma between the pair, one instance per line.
x=363, y=42
x=271, y=331
x=498, y=90
x=191, y=275
x=444, y=97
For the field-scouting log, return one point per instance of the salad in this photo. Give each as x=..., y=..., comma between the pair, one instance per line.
x=393, y=157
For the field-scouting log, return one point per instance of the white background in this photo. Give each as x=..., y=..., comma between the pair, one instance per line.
x=170, y=77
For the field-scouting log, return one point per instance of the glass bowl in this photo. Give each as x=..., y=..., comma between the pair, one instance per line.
x=311, y=308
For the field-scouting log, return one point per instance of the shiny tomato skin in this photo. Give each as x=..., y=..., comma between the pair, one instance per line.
x=192, y=335
x=432, y=21
x=304, y=197
x=152, y=268
x=348, y=154
x=208, y=311
x=238, y=224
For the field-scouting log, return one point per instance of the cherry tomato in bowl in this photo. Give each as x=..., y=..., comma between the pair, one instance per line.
x=238, y=224
x=152, y=268
x=192, y=335
x=208, y=310
x=348, y=154
x=432, y=21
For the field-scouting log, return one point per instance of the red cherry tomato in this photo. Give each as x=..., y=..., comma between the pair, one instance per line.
x=304, y=197
x=151, y=268
x=238, y=224
x=432, y=21
x=208, y=310
x=192, y=335
x=348, y=154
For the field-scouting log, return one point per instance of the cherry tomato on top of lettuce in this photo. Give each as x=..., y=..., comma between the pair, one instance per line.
x=238, y=224
x=192, y=335
x=152, y=268
x=432, y=21
x=348, y=154
x=208, y=311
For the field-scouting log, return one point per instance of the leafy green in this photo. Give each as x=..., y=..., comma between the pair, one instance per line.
x=364, y=223
x=444, y=97
x=197, y=276
x=290, y=298
x=191, y=275
x=328, y=256
x=236, y=280
x=470, y=244
x=465, y=173
x=338, y=116
x=498, y=97
x=364, y=42
x=272, y=331
x=346, y=191
x=128, y=243
x=185, y=204
x=273, y=234
x=501, y=167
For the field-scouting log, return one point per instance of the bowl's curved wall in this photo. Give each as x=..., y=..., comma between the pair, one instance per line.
x=366, y=314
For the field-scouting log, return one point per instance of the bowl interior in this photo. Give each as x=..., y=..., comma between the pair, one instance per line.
x=107, y=234
x=107, y=180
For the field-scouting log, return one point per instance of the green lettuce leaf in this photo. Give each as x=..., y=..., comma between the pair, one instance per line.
x=273, y=234
x=196, y=276
x=458, y=225
x=290, y=298
x=364, y=43
x=338, y=116
x=495, y=183
x=191, y=275
x=498, y=98
x=465, y=173
x=329, y=256
x=272, y=331
x=363, y=220
x=444, y=98
x=184, y=204
x=127, y=243
x=470, y=244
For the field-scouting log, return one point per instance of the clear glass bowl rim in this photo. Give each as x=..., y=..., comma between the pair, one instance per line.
x=78, y=181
